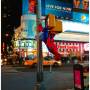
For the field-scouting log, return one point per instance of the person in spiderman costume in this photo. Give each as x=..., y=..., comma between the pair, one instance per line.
x=52, y=46
x=47, y=37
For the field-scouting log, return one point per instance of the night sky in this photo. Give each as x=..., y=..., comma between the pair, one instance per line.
x=11, y=11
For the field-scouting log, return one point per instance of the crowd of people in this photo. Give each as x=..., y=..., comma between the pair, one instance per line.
x=13, y=58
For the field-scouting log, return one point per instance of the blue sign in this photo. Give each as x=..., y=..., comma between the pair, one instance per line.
x=59, y=8
x=74, y=10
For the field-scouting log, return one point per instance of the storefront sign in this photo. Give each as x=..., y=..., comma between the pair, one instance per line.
x=25, y=44
x=68, y=46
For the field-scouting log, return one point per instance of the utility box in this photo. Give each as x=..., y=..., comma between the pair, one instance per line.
x=81, y=76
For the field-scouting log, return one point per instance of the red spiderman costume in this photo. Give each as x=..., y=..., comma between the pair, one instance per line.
x=48, y=39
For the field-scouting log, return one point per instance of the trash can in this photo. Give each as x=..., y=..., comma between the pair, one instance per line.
x=81, y=76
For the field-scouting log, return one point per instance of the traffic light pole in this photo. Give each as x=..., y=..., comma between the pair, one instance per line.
x=39, y=48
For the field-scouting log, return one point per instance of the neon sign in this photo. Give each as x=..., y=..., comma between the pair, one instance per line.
x=25, y=44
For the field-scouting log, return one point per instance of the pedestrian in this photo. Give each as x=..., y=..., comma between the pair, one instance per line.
x=14, y=57
x=20, y=60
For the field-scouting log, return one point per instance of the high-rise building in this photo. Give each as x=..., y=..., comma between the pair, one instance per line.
x=10, y=18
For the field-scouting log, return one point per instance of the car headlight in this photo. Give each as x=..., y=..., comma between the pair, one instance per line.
x=59, y=62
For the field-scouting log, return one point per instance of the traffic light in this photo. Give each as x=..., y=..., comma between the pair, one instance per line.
x=58, y=26
x=50, y=21
x=53, y=24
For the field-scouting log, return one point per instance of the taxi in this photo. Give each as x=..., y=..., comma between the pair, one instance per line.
x=48, y=60
x=30, y=60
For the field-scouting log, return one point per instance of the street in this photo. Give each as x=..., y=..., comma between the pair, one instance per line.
x=24, y=78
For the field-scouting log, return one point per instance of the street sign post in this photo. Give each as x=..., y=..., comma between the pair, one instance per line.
x=39, y=48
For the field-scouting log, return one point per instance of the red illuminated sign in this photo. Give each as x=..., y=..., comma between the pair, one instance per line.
x=68, y=46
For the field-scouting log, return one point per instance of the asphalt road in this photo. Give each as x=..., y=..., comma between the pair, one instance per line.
x=24, y=78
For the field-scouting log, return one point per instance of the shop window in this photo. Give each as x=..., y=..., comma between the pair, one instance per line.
x=27, y=44
x=22, y=44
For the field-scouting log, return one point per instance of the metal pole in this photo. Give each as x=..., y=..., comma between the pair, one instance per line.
x=39, y=46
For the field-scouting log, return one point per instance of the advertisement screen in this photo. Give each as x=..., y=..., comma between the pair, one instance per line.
x=81, y=4
x=60, y=8
x=28, y=6
x=73, y=10
x=32, y=6
x=25, y=5
x=81, y=11
x=81, y=17
x=30, y=26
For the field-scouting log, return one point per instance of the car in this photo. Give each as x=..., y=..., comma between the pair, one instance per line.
x=48, y=60
x=3, y=60
x=30, y=60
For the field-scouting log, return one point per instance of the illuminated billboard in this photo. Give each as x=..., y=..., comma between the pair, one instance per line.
x=32, y=6
x=81, y=5
x=60, y=8
x=28, y=6
x=30, y=26
x=73, y=10
x=25, y=44
x=81, y=11
x=25, y=5
x=81, y=17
